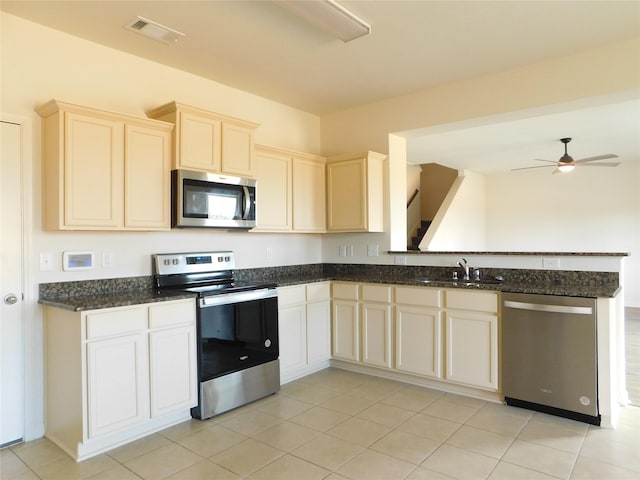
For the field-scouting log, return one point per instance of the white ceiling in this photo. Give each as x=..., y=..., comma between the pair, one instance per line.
x=261, y=48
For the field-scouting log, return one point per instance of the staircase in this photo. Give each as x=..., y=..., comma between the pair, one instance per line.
x=415, y=240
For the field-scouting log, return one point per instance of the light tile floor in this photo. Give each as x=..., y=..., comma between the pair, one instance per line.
x=337, y=425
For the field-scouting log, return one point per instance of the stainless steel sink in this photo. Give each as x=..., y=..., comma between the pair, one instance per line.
x=458, y=283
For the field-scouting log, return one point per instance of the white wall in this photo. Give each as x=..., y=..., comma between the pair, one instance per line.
x=459, y=225
x=588, y=210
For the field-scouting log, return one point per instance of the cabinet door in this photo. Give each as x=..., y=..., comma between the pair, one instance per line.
x=472, y=349
x=237, y=150
x=173, y=370
x=199, y=142
x=418, y=341
x=309, y=205
x=147, y=178
x=292, y=333
x=274, y=207
x=118, y=383
x=376, y=334
x=318, y=331
x=93, y=171
x=347, y=196
x=346, y=332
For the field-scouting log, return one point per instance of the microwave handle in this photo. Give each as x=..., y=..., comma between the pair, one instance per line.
x=247, y=203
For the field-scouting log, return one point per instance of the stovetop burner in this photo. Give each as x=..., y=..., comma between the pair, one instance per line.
x=203, y=273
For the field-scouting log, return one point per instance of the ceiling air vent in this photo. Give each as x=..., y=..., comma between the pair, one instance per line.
x=153, y=30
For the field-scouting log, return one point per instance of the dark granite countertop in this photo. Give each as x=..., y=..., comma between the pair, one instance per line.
x=78, y=303
x=107, y=293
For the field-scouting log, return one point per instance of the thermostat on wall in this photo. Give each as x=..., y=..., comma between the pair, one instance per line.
x=72, y=261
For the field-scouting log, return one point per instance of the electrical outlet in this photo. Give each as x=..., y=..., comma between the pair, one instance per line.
x=269, y=253
x=551, y=263
x=46, y=262
x=372, y=250
x=400, y=260
x=107, y=259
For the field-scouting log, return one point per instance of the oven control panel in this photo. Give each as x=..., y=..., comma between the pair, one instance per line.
x=172, y=263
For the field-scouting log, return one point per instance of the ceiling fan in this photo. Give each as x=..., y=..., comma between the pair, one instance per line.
x=566, y=163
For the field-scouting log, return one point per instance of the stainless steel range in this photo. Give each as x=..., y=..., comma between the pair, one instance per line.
x=237, y=329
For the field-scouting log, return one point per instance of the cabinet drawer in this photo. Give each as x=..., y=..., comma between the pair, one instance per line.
x=110, y=323
x=347, y=291
x=376, y=293
x=318, y=291
x=291, y=295
x=169, y=314
x=477, y=301
x=424, y=296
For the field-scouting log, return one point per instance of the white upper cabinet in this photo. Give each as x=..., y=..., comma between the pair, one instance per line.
x=355, y=193
x=290, y=191
x=104, y=171
x=208, y=141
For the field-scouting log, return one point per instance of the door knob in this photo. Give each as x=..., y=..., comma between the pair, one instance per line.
x=10, y=299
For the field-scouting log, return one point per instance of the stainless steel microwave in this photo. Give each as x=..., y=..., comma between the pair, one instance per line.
x=208, y=200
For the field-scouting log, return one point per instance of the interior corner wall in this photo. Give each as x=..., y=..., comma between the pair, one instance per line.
x=435, y=182
x=460, y=223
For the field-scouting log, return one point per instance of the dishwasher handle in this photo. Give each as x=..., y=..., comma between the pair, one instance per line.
x=539, y=307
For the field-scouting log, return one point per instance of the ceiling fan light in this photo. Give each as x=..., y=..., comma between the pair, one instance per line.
x=566, y=168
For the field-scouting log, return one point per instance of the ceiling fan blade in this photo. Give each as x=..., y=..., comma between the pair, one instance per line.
x=599, y=157
x=528, y=168
x=541, y=160
x=603, y=164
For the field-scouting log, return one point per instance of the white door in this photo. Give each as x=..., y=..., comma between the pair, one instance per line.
x=11, y=287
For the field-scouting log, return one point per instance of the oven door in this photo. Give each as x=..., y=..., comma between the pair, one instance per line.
x=237, y=331
x=203, y=199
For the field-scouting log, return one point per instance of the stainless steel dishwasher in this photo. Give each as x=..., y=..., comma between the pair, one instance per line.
x=549, y=355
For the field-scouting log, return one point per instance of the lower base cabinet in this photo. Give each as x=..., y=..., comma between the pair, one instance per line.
x=117, y=374
x=303, y=329
x=472, y=349
x=448, y=335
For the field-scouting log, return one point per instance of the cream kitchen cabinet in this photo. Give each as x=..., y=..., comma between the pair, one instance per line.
x=418, y=331
x=207, y=141
x=355, y=193
x=345, y=318
x=304, y=329
x=376, y=325
x=471, y=332
x=309, y=194
x=291, y=191
x=117, y=374
x=104, y=171
x=172, y=354
x=273, y=170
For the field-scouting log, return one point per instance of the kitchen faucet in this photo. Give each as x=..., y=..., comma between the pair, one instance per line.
x=465, y=267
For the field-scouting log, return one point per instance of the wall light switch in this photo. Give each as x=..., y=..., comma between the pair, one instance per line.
x=269, y=253
x=342, y=250
x=46, y=262
x=372, y=250
x=350, y=250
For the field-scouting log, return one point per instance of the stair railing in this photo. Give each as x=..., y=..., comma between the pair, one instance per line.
x=413, y=215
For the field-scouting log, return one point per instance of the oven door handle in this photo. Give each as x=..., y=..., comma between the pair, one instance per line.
x=247, y=203
x=237, y=297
